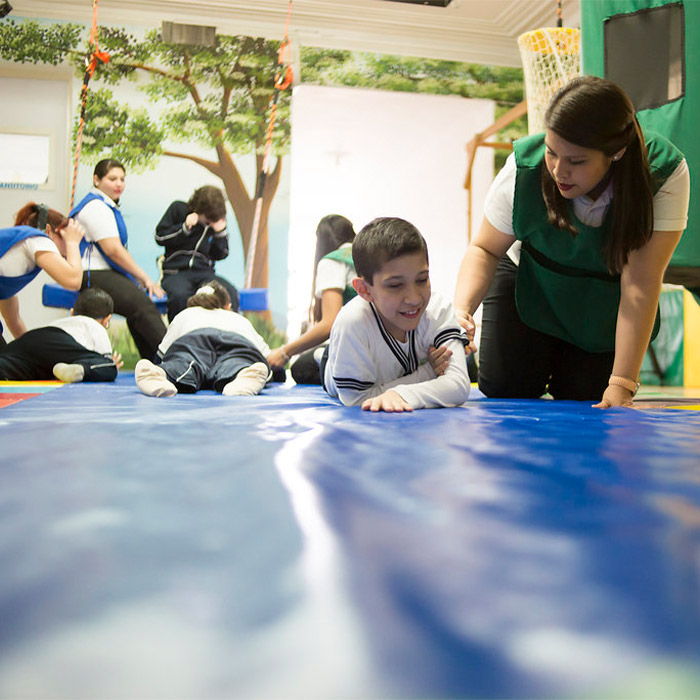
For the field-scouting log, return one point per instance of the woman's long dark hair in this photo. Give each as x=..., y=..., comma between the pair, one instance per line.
x=595, y=113
x=332, y=231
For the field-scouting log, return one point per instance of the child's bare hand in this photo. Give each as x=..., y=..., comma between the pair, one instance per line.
x=191, y=219
x=118, y=360
x=389, y=401
x=219, y=225
x=439, y=359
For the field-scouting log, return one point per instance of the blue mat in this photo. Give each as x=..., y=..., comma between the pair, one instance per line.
x=283, y=546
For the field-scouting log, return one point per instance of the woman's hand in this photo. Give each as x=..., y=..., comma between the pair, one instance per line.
x=439, y=359
x=466, y=320
x=615, y=396
x=277, y=359
x=72, y=232
x=153, y=288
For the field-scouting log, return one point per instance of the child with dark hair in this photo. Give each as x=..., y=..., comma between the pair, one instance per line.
x=207, y=346
x=331, y=289
x=395, y=347
x=194, y=236
x=73, y=349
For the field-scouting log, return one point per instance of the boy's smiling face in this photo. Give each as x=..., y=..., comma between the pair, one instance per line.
x=400, y=292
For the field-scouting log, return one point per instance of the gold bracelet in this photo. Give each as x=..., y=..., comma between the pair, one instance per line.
x=629, y=384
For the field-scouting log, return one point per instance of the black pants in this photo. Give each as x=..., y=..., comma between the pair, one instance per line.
x=142, y=316
x=181, y=285
x=305, y=369
x=33, y=355
x=516, y=361
x=208, y=359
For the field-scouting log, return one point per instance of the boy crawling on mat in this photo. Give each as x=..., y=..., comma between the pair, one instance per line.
x=393, y=347
x=73, y=349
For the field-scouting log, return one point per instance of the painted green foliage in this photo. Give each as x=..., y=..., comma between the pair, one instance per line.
x=219, y=97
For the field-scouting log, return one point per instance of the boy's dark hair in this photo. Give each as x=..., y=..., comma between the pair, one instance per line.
x=212, y=295
x=93, y=302
x=209, y=201
x=382, y=240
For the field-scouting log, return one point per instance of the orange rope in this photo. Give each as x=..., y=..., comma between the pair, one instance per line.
x=283, y=79
x=90, y=64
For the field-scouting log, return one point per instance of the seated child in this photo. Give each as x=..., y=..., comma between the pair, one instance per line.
x=393, y=347
x=73, y=349
x=207, y=346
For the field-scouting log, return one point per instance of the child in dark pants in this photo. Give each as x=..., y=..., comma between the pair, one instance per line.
x=207, y=346
x=72, y=349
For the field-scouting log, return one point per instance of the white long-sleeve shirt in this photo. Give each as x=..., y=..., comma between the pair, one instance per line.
x=365, y=360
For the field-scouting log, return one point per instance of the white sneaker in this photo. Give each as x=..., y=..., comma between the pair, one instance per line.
x=152, y=380
x=248, y=382
x=68, y=373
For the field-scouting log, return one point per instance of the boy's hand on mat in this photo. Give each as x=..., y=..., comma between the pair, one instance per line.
x=116, y=356
x=389, y=401
x=439, y=359
x=615, y=396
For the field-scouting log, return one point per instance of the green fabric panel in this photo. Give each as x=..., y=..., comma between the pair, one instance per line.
x=668, y=346
x=677, y=121
x=344, y=255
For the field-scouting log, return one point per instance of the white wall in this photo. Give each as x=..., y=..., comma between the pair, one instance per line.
x=33, y=102
x=369, y=153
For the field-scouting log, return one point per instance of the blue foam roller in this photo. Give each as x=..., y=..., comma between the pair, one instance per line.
x=253, y=299
x=59, y=297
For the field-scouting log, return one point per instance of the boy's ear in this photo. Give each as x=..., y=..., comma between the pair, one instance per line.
x=362, y=288
x=105, y=320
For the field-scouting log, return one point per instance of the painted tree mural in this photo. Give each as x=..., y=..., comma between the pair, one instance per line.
x=217, y=97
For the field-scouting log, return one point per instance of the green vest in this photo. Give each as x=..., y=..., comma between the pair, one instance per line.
x=563, y=286
x=343, y=255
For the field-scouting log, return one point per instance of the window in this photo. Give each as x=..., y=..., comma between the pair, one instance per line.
x=26, y=161
x=645, y=54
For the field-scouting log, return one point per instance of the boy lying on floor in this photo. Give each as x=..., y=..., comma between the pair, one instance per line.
x=73, y=349
x=394, y=347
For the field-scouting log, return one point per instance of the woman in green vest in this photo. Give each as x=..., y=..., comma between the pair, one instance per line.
x=596, y=209
x=332, y=288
